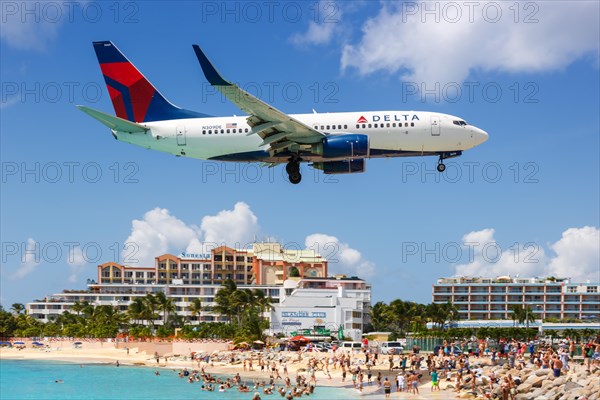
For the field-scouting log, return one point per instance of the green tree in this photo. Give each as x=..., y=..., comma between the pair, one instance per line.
x=18, y=308
x=195, y=307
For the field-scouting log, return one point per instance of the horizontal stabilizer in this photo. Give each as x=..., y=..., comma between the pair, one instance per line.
x=114, y=123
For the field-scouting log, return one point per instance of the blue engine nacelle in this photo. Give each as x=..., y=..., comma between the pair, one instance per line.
x=343, y=146
x=341, y=167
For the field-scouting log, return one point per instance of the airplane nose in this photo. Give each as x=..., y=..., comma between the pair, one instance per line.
x=480, y=136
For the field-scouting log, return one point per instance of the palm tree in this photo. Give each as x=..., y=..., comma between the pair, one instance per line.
x=380, y=317
x=17, y=308
x=518, y=314
x=165, y=305
x=195, y=307
x=223, y=299
x=137, y=309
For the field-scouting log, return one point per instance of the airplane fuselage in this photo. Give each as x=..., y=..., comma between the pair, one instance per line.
x=391, y=134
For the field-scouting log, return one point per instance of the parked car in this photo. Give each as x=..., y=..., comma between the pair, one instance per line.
x=391, y=348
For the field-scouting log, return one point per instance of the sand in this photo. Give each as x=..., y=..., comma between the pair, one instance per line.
x=110, y=353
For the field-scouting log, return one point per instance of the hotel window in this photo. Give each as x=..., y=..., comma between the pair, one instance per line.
x=592, y=289
x=571, y=289
x=249, y=259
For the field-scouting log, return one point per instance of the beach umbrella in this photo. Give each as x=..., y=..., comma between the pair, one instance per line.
x=77, y=343
x=19, y=343
x=298, y=338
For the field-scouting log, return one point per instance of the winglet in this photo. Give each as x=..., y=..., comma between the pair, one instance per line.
x=211, y=74
x=114, y=123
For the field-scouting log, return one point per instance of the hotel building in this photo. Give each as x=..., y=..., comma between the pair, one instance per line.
x=305, y=300
x=493, y=298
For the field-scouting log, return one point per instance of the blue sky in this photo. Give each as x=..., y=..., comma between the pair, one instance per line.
x=528, y=76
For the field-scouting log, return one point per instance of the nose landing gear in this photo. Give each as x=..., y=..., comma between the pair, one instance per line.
x=441, y=167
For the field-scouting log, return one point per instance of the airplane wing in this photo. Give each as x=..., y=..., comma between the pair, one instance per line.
x=277, y=129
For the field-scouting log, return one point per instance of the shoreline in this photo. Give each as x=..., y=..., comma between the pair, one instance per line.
x=107, y=355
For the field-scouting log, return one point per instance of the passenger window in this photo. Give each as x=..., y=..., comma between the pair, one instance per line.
x=375, y=126
x=327, y=127
x=228, y=131
x=412, y=124
x=364, y=126
x=357, y=126
x=322, y=128
x=406, y=124
x=204, y=132
x=246, y=130
x=234, y=130
x=394, y=125
x=388, y=124
x=209, y=131
x=339, y=127
x=369, y=125
x=346, y=126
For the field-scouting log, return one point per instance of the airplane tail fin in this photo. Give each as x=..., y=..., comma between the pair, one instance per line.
x=133, y=96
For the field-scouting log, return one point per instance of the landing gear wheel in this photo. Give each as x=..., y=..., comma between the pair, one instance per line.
x=295, y=178
x=441, y=167
x=292, y=168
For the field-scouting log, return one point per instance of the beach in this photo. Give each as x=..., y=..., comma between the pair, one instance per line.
x=176, y=356
x=261, y=369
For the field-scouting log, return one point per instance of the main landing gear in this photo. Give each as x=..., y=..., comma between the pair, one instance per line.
x=293, y=170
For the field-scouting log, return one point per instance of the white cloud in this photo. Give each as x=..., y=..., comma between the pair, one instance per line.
x=343, y=259
x=425, y=51
x=30, y=259
x=159, y=232
x=239, y=225
x=76, y=262
x=324, y=26
x=576, y=256
x=30, y=25
x=488, y=258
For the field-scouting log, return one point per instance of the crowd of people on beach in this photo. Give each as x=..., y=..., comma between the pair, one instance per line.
x=393, y=372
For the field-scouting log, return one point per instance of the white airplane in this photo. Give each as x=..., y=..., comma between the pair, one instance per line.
x=336, y=143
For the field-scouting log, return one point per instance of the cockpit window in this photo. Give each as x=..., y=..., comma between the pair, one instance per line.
x=459, y=122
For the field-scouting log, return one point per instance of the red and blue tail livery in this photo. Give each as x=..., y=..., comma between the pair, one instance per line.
x=335, y=143
x=133, y=96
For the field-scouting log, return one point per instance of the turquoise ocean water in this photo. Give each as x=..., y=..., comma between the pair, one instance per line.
x=36, y=380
